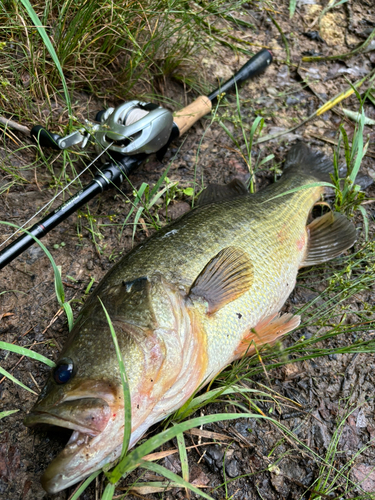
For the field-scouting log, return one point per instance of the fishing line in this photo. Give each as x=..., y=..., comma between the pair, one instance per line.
x=56, y=195
x=133, y=117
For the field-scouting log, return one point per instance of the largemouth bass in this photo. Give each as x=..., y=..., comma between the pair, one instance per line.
x=185, y=303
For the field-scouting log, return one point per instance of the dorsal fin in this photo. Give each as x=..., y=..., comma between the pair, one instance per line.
x=329, y=236
x=300, y=158
x=225, y=278
x=219, y=192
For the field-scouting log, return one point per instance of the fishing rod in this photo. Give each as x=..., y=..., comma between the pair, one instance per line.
x=129, y=133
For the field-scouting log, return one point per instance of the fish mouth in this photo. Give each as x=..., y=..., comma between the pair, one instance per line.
x=87, y=415
x=93, y=423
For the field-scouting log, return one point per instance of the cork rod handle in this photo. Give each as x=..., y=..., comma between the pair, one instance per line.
x=186, y=117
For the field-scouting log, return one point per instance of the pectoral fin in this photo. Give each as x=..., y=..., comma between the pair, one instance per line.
x=329, y=236
x=225, y=278
x=266, y=332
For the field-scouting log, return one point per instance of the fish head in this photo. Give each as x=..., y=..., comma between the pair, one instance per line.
x=82, y=396
x=84, y=392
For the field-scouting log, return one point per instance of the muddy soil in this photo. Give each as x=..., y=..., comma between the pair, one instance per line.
x=256, y=460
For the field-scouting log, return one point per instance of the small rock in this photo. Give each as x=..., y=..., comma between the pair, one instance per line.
x=173, y=464
x=34, y=253
x=90, y=264
x=232, y=468
x=278, y=483
x=361, y=419
x=243, y=428
x=198, y=477
x=290, y=101
x=215, y=452
x=214, y=458
x=349, y=440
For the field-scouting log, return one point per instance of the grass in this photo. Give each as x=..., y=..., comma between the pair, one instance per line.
x=112, y=50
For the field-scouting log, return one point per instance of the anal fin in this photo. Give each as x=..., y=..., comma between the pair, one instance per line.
x=329, y=236
x=266, y=332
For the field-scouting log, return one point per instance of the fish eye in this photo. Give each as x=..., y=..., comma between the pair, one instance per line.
x=63, y=371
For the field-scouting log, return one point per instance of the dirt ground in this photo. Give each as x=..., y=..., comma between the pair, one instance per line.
x=272, y=467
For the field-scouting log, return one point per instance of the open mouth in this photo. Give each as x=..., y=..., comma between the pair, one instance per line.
x=77, y=439
x=88, y=419
x=69, y=466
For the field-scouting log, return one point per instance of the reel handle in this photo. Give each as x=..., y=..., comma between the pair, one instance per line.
x=45, y=138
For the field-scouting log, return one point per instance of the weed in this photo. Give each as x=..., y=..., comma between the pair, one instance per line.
x=248, y=140
x=348, y=194
x=7, y=413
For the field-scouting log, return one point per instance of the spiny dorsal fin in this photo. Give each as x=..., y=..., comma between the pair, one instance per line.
x=225, y=278
x=219, y=192
x=266, y=332
x=302, y=159
x=329, y=236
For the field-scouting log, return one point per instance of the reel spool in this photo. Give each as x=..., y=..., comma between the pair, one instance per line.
x=134, y=127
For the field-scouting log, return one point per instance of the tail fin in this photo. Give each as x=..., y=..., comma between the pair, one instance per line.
x=301, y=159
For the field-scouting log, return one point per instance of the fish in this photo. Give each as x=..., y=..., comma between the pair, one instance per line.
x=185, y=303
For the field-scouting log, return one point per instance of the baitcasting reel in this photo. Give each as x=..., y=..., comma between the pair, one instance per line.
x=132, y=128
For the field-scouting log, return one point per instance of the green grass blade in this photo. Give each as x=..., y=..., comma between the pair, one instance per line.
x=161, y=180
x=69, y=314
x=300, y=188
x=292, y=8
x=84, y=485
x=137, y=200
x=131, y=461
x=125, y=386
x=16, y=381
x=365, y=220
x=26, y=352
x=7, y=413
x=49, y=46
x=229, y=134
x=204, y=399
x=183, y=456
x=108, y=492
x=136, y=220
x=266, y=159
x=159, y=469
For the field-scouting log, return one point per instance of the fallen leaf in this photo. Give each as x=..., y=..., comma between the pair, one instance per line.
x=365, y=475
x=209, y=434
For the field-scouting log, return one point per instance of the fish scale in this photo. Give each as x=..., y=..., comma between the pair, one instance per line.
x=184, y=304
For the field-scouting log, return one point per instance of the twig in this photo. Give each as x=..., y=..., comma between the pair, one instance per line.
x=12, y=124
x=348, y=55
